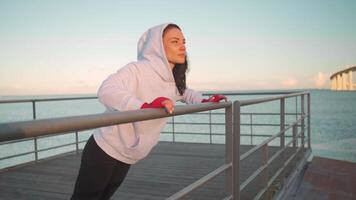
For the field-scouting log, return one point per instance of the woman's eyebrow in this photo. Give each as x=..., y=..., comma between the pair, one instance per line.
x=176, y=38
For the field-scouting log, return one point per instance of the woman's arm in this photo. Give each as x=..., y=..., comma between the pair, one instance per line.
x=118, y=90
x=190, y=96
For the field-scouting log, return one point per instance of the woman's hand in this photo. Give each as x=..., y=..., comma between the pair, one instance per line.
x=216, y=98
x=160, y=102
x=168, y=105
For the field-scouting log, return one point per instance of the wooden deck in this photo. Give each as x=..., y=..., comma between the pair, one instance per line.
x=169, y=168
x=328, y=179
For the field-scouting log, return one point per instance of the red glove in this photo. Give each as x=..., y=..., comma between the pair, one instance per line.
x=157, y=103
x=216, y=98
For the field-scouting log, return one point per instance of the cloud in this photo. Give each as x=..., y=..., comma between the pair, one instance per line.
x=289, y=83
x=320, y=80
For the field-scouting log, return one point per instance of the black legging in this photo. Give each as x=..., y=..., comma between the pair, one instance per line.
x=99, y=175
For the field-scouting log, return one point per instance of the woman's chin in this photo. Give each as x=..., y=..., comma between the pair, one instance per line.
x=180, y=61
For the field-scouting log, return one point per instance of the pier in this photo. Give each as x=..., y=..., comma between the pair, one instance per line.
x=169, y=168
x=343, y=80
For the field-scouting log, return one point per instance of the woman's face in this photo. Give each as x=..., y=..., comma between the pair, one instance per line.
x=174, y=46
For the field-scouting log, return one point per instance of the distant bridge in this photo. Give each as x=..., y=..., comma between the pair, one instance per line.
x=342, y=80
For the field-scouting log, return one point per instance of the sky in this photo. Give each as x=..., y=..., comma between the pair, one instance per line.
x=70, y=47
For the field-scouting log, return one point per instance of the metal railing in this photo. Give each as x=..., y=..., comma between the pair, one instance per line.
x=36, y=147
x=43, y=127
x=263, y=170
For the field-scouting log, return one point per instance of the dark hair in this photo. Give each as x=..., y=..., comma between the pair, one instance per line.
x=179, y=70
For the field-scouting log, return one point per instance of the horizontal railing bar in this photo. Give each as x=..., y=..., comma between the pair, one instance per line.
x=186, y=133
x=279, y=171
x=278, y=153
x=252, y=176
x=18, y=155
x=274, y=177
x=16, y=141
x=18, y=130
x=45, y=99
x=261, y=135
x=248, y=153
x=41, y=150
x=222, y=124
x=38, y=137
x=95, y=97
x=247, y=113
x=270, y=113
x=56, y=147
x=246, y=124
x=257, y=147
x=213, y=113
x=268, y=99
x=251, y=151
x=199, y=182
x=218, y=134
x=195, y=123
x=275, y=156
x=250, y=93
x=68, y=144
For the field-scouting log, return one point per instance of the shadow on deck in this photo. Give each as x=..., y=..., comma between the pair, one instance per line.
x=169, y=168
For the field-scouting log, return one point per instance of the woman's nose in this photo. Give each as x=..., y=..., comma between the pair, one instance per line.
x=182, y=47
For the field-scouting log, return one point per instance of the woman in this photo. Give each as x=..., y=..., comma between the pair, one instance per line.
x=157, y=77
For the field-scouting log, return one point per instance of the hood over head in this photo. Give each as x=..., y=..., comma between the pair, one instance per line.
x=150, y=48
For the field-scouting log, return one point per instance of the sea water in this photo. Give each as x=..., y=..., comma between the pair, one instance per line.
x=333, y=123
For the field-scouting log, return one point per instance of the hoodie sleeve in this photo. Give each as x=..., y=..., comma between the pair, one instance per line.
x=118, y=90
x=190, y=96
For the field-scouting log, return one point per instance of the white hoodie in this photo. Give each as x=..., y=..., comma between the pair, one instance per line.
x=131, y=86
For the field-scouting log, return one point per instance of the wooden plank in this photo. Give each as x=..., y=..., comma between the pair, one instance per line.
x=169, y=168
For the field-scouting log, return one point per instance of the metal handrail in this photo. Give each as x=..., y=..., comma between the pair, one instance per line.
x=29, y=129
x=95, y=97
x=25, y=129
x=268, y=99
x=46, y=99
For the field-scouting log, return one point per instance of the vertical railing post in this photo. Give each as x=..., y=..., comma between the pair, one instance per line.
x=236, y=151
x=34, y=109
x=296, y=108
x=251, y=130
x=282, y=122
x=228, y=149
x=282, y=137
x=210, y=132
x=35, y=148
x=309, y=116
x=35, y=138
x=302, y=125
x=266, y=170
x=76, y=142
x=173, y=131
x=295, y=132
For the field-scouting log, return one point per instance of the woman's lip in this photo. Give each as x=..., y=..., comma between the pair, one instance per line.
x=181, y=55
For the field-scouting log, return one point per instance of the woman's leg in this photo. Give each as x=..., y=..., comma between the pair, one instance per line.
x=95, y=172
x=118, y=176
